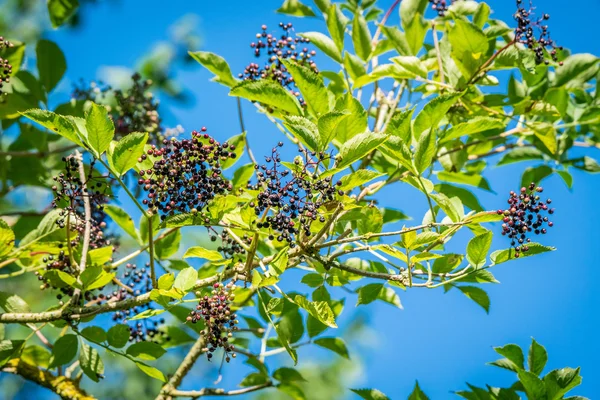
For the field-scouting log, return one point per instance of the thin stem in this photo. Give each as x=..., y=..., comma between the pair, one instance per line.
x=218, y=392
x=383, y=21
x=87, y=211
x=151, y=251
x=243, y=129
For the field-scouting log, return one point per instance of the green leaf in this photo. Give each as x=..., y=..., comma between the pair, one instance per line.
x=151, y=371
x=9, y=349
x=285, y=374
x=415, y=28
x=534, y=386
x=296, y=8
x=64, y=350
x=474, y=125
x=325, y=44
x=51, y=63
x=399, y=125
x=370, y=394
x=304, y=130
x=425, y=151
x=417, y=393
x=500, y=256
x=34, y=355
x=356, y=69
x=94, y=334
x=520, y=154
x=398, y=39
x=61, y=279
x=61, y=10
x=411, y=64
x=100, y=129
x=126, y=152
x=356, y=123
x=13, y=304
x=469, y=46
x=318, y=309
x=478, y=248
x=560, y=381
x=361, y=37
x=121, y=218
x=146, y=351
x=327, y=126
x=433, y=112
x=217, y=65
x=358, y=147
x=186, y=279
x=95, y=277
x=201, y=252
x=269, y=93
x=56, y=123
x=337, y=345
x=537, y=357
x=336, y=22
x=448, y=206
x=313, y=280
x=369, y=293
x=100, y=256
x=310, y=85
x=166, y=281
x=282, y=339
x=574, y=67
x=168, y=246
x=7, y=238
x=118, y=335
x=358, y=178
x=478, y=295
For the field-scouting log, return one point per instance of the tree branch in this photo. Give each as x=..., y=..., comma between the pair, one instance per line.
x=186, y=365
x=62, y=386
x=194, y=394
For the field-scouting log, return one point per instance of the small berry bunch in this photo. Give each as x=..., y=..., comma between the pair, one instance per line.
x=441, y=6
x=70, y=193
x=132, y=110
x=220, y=320
x=229, y=247
x=525, y=34
x=186, y=175
x=137, y=281
x=524, y=215
x=277, y=48
x=5, y=67
x=295, y=197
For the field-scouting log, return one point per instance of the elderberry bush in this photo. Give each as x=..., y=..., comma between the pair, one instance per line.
x=5, y=67
x=525, y=215
x=290, y=200
x=186, y=174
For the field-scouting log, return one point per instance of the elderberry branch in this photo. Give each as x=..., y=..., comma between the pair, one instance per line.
x=218, y=392
x=184, y=368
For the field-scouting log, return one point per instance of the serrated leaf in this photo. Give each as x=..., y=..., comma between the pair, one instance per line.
x=186, y=279
x=433, y=112
x=325, y=44
x=334, y=344
x=64, y=350
x=304, y=130
x=7, y=238
x=500, y=256
x=125, y=153
x=51, y=63
x=201, y=252
x=146, y=351
x=56, y=123
x=537, y=358
x=217, y=65
x=61, y=10
x=318, y=309
x=100, y=129
x=151, y=371
x=478, y=295
x=425, y=151
x=478, y=248
x=118, y=335
x=358, y=147
x=361, y=37
x=296, y=8
x=268, y=93
x=311, y=86
x=370, y=394
x=121, y=218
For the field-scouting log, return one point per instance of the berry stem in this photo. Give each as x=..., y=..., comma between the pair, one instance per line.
x=151, y=251
x=476, y=76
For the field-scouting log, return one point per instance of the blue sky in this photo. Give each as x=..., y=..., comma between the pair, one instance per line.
x=443, y=340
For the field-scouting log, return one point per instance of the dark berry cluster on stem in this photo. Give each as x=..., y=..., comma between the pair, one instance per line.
x=70, y=193
x=272, y=49
x=5, y=67
x=230, y=248
x=441, y=6
x=527, y=28
x=135, y=282
x=132, y=110
x=186, y=174
x=219, y=319
x=525, y=214
x=290, y=200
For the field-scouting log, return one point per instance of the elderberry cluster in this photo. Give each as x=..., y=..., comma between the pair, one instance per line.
x=229, y=247
x=441, y=6
x=295, y=197
x=185, y=175
x=132, y=110
x=71, y=193
x=276, y=48
x=525, y=214
x=5, y=67
x=220, y=320
x=525, y=33
x=137, y=281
